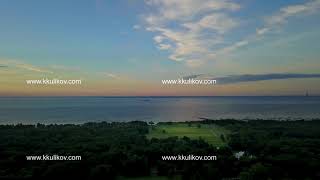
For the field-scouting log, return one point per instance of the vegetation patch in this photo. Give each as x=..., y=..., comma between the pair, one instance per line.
x=268, y=150
x=211, y=133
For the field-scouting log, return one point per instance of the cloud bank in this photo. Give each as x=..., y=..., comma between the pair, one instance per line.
x=252, y=77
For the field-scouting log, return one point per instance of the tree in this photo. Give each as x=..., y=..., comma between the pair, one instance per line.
x=222, y=138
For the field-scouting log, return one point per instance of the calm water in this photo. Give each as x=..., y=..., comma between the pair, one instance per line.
x=48, y=110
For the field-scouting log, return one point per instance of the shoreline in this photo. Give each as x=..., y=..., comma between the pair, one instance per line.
x=201, y=120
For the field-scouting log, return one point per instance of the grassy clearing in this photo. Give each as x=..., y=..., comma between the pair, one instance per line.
x=210, y=133
x=146, y=178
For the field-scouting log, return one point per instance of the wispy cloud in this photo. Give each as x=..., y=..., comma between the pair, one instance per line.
x=194, y=31
x=136, y=26
x=183, y=27
x=276, y=21
x=111, y=75
x=24, y=66
x=284, y=14
x=252, y=77
x=32, y=68
x=3, y=66
x=65, y=68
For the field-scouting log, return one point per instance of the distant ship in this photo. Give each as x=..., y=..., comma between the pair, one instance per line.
x=307, y=94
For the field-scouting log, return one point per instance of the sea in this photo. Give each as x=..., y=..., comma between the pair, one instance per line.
x=78, y=110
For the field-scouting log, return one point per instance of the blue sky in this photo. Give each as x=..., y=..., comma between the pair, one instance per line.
x=146, y=41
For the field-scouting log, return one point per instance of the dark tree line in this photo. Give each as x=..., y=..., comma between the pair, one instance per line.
x=272, y=150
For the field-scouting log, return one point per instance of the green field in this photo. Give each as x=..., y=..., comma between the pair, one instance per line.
x=209, y=133
x=146, y=178
x=151, y=178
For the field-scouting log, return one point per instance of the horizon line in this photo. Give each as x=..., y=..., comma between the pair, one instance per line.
x=316, y=95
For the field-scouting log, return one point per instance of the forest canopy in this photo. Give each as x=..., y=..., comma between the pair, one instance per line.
x=270, y=150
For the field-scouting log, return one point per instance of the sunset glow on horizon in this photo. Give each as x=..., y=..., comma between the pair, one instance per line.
x=127, y=47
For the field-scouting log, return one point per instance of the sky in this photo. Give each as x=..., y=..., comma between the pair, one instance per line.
x=127, y=47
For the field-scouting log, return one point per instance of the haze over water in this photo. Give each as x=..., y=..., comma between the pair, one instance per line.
x=60, y=110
